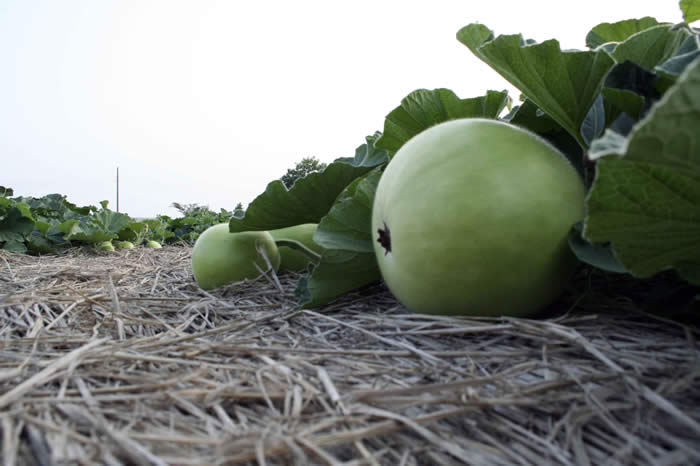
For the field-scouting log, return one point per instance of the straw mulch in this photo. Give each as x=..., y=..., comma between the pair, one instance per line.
x=119, y=358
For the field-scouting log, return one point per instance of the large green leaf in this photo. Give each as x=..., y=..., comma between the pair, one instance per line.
x=617, y=109
x=69, y=228
x=645, y=199
x=25, y=210
x=347, y=225
x=133, y=231
x=47, y=238
x=338, y=273
x=632, y=77
x=684, y=56
x=14, y=228
x=691, y=10
x=629, y=92
x=40, y=243
x=595, y=122
x=110, y=221
x=85, y=230
x=157, y=230
x=103, y=225
x=624, y=101
x=54, y=207
x=348, y=261
x=652, y=46
x=13, y=242
x=16, y=222
x=368, y=155
x=600, y=256
x=617, y=32
x=424, y=108
x=564, y=84
x=307, y=201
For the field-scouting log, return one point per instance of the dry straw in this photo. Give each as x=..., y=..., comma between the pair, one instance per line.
x=120, y=358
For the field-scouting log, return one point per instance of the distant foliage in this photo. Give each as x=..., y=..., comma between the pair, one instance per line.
x=303, y=168
x=190, y=210
x=195, y=219
x=51, y=224
x=238, y=211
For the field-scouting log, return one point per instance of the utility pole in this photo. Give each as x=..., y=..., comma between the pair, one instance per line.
x=117, y=189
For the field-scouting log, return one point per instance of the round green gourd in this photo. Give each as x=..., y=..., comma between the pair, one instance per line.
x=471, y=217
x=220, y=257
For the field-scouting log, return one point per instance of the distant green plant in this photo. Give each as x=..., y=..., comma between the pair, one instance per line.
x=195, y=219
x=301, y=169
x=51, y=224
x=190, y=210
x=238, y=211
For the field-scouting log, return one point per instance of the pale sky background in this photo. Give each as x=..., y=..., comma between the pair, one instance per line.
x=206, y=101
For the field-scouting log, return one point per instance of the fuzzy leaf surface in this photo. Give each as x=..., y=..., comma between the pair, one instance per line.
x=685, y=55
x=564, y=84
x=338, y=273
x=645, y=199
x=691, y=10
x=424, y=108
x=348, y=261
x=652, y=46
x=348, y=224
x=14, y=228
x=307, y=201
x=618, y=31
x=368, y=154
x=598, y=255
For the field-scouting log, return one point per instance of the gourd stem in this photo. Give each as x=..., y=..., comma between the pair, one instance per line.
x=290, y=243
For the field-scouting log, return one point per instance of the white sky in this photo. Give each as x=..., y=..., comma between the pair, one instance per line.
x=206, y=101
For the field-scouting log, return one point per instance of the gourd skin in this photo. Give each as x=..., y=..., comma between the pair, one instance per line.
x=476, y=214
x=220, y=257
x=292, y=259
